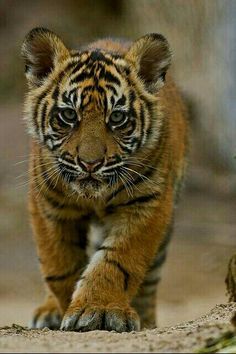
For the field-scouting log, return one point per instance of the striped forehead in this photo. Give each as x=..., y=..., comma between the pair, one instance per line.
x=97, y=79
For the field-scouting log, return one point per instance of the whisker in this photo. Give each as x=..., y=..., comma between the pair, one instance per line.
x=127, y=188
x=131, y=179
x=143, y=177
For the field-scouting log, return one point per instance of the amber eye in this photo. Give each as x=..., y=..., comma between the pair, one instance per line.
x=118, y=117
x=68, y=115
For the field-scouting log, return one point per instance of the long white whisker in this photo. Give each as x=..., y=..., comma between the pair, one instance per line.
x=143, y=177
x=131, y=180
x=123, y=179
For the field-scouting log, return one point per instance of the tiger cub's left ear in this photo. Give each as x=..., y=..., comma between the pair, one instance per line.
x=151, y=56
x=41, y=50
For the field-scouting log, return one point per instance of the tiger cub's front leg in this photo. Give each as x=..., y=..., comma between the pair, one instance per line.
x=102, y=297
x=61, y=247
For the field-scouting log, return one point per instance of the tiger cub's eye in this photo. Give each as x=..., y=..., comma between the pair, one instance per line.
x=68, y=115
x=117, y=117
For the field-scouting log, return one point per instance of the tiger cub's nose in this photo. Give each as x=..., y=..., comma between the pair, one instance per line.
x=91, y=166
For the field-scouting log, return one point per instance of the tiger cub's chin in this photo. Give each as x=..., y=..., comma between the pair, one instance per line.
x=89, y=189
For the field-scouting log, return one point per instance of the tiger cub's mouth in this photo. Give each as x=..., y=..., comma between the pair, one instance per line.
x=93, y=182
x=88, y=184
x=88, y=187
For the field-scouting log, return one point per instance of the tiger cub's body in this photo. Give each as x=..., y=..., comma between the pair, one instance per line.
x=107, y=161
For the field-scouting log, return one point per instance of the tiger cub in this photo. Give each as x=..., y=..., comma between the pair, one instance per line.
x=108, y=145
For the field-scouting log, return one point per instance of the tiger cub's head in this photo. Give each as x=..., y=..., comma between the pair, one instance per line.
x=94, y=110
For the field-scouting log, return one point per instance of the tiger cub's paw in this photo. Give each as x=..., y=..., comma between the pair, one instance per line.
x=111, y=317
x=46, y=317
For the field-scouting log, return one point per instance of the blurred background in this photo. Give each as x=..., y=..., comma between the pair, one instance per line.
x=202, y=34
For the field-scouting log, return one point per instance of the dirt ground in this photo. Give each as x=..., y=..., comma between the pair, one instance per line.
x=184, y=338
x=193, y=275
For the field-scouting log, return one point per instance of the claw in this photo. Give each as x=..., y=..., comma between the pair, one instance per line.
x=91, y=319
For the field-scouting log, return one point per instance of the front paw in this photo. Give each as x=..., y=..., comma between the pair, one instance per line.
x=110, y=317
x=46, y=317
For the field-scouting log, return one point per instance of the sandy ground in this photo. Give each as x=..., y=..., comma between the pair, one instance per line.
x=184, y=338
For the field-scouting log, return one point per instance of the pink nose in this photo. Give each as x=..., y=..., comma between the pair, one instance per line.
x=91, y=166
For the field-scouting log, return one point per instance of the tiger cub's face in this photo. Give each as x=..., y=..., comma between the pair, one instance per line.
x=93, y=110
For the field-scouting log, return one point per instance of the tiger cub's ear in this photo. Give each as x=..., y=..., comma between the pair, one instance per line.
x=151, y=56
x=41, y=50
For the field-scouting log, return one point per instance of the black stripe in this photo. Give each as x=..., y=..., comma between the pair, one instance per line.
x=79, y=65
x=143, y=199
x=87, y=89
x=167, y=237
x=112, y=101
x=124, y=148
x=146, y=173
x=121, y=101
x=132, y=97
x=75, y=96
x=55, y=93
x=65, y=98
x=68, y=67
x=67, y=157
x=40, y=98
x=81, y=77
x=112, y=89
x=149, y=293
x=52, y=217
x=107, y=75
x=105, y=104
x=61, y=277
x=60, y=205
x=158, y=261
x=151, y=282
x=89, y=100
x=124, y=271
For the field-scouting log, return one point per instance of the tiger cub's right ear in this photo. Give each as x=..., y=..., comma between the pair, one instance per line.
x=42, y=50
x=151, y=57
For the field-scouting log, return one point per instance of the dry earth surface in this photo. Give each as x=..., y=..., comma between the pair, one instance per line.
x=187, y=337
